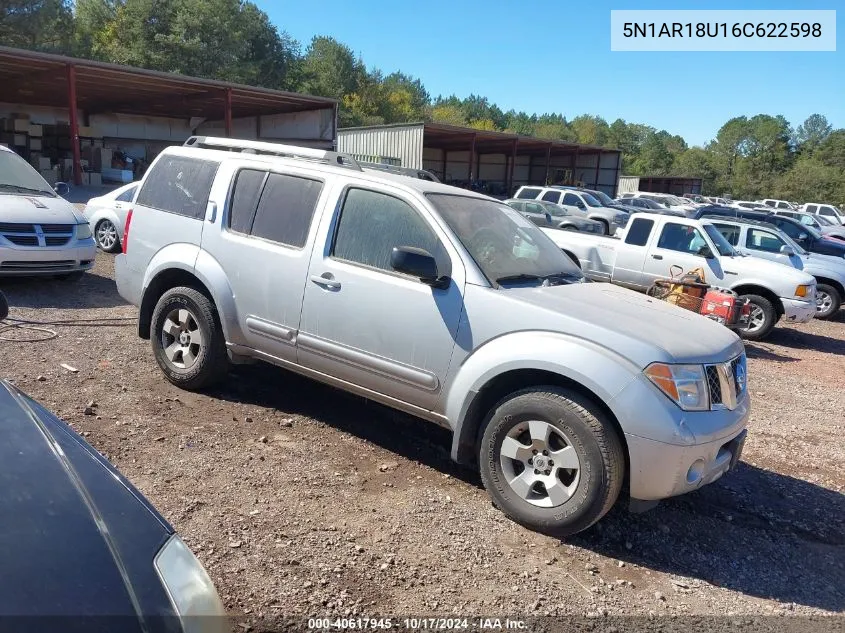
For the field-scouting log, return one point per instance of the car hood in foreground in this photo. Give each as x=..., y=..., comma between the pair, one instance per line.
x=17, y=208
x=77, y=538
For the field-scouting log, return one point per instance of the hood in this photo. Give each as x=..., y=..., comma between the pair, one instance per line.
x=781, y=274
x=827, y=246
x=77, y=537
x=824, y=265
x=640, y=328
x=37, y=210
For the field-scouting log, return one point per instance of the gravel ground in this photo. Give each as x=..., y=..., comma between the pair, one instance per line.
x=301, y=500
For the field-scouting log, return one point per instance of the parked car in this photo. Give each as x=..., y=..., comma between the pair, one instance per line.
x=807, y=238
x=760, y=239
x=666, y=200
x=716, y=200
x=107, y=216
x=550, y=215
x=612, y=219
x=601, y=196
x=438, y=301
x=647, y=205
x=778, y=204
x=827, y=210
x=748, y=204
x=817, y=222
x=80, y=543
x=40, y=232
x=652, y=245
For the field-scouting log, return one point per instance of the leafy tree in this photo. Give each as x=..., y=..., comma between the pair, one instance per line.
x=448, y=113
x=330, y=69
x=831, y=151
x=812, y=132
x=44, y=25
x=590, y=130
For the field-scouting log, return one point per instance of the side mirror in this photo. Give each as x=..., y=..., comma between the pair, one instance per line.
x=419, y=263
x=580, y=205
x=61, y=188
x=705, y=252
x=787, y=250
x=803, y=236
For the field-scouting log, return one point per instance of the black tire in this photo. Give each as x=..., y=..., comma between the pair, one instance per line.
x=833, y=306
x=74, y=276
x=211, y=363
x=770, y=318
x=115, y=248
x=586, y=429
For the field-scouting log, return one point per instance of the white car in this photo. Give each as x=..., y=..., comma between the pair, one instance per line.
x=107, y=216
x=40, y=232
x=778, y=204
x=688, y=207
x=826, y=210
x=580, y=202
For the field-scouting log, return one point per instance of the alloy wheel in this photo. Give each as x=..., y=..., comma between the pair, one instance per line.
x=106, y=235
x=181, y=338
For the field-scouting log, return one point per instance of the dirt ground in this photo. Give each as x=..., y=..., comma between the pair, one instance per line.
x=302, y=500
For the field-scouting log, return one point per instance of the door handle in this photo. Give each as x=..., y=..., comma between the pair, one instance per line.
x=657, y=256
x=326, y=282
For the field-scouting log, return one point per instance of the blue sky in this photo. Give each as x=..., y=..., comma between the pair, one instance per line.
x=554, y=56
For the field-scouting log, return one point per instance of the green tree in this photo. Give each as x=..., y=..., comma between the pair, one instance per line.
x=831, y=151
x=44, y=25
x=590, y=130
x=812, y=132
x=330, y=69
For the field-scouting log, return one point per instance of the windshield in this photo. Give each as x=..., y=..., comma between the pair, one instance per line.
x=823, y=220
x=502, y=242
x=18, y=176
x=605, y=199
x=722, y=245
x=590, y=200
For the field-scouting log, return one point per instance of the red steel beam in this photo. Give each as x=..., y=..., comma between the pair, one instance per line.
x=74, y=125
x=227, y=109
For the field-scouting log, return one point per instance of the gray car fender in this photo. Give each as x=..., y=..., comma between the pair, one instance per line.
x=595, y=367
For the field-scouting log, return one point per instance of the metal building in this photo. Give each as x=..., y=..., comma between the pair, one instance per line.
x=675, y=185
x=495, y=162
x=65, y=114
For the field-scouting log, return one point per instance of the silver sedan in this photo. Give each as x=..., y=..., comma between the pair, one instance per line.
x=550, y=215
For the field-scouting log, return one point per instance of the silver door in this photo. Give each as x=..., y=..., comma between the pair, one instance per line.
x=367, y=324
x=263, y=242
x=678, y=246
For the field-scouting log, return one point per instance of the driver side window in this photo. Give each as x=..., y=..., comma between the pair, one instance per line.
x=681, y=238
x=763, y=241
x=573, y=200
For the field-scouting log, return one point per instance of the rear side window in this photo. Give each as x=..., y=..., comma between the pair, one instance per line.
x=639, y=231
x=827, y=211
x=286, y=209
x=248, y=185
x=572, y=199
x=552, y=196
x=372, y=224
x=179, y=185
x=528, y=193
x=812, y=208
x=783, y=205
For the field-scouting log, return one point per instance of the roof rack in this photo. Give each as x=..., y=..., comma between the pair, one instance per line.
x=274, y=149
x=403, y=171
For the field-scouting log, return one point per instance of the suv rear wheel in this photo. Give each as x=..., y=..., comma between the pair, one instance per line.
x=550, y=460
x=187, y=339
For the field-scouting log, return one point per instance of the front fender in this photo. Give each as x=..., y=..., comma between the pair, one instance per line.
x=593, y=366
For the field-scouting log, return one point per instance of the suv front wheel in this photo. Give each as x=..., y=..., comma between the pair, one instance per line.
x=187, y=339
x=550, y=460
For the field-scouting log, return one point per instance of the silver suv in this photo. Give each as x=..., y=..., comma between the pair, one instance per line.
x=439, y=302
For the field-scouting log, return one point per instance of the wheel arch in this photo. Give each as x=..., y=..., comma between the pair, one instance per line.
x=754, y=289
x=832, y=282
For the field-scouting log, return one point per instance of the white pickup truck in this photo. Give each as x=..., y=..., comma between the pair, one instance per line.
x=652, y=244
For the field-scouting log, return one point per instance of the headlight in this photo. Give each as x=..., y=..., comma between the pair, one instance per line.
x=190, y=589
x=804, y=291
x=83, y=231
x=686, y=385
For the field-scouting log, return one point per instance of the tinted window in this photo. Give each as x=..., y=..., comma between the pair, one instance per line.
x=730, y=233
x=769, y=203
x=179, y=185
x=552, y=196
x=783, y=205
x=286, y=208
x=763, y=241
x=372, y=224
x=126, y=196
x=535, y=207
x=639, y=231
x=248, y=184
x=528, y=194
x=681, y=238
x=519, y=206
x=827, y=211
x=812, y=208
x=572, y=199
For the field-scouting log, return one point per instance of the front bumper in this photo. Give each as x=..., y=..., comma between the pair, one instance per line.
x=796, y=311
x=671, y=451
x=29, y=261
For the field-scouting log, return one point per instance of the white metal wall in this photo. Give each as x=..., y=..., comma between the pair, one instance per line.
x=404, y=142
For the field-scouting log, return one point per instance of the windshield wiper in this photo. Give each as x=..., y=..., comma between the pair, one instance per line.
x=535, y=277
x=20, y=189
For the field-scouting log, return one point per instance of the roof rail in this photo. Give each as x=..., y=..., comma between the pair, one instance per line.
x=403, y=171
x=274, y=149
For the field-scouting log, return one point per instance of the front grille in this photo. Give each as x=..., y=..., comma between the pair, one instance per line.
x=59, y=264
x=23, y=240
x=57, y=228
x=713, y=383
x=11, y=227
x=56, y=241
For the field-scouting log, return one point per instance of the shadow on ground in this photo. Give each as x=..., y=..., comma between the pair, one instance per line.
x=799, y=339
x=754, y=531
x=92, y=291
x=766, y=352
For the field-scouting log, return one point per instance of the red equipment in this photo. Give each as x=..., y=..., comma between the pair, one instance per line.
x=725, y=306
